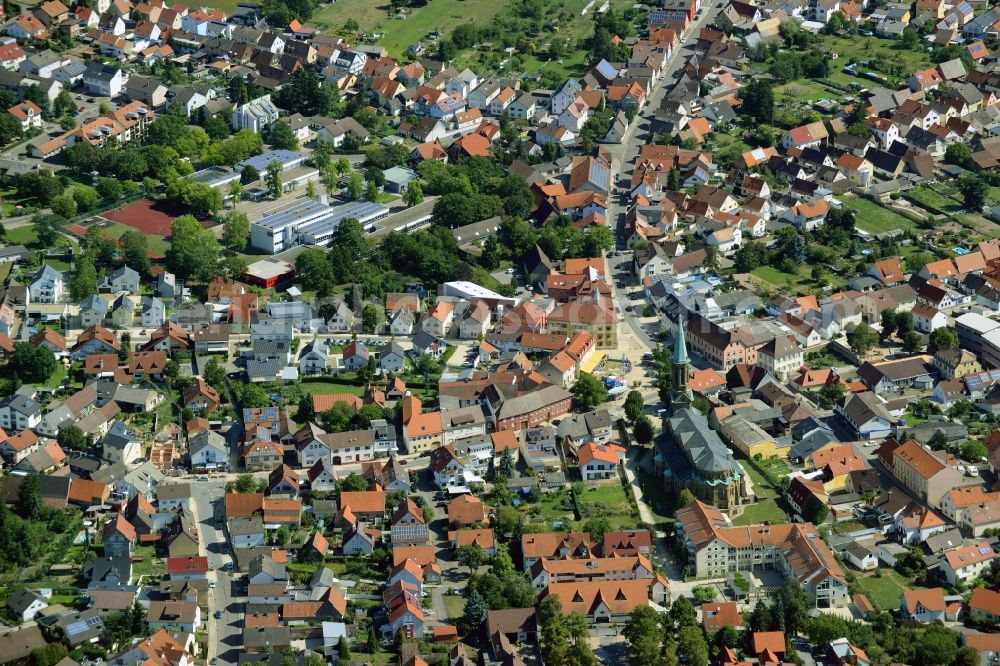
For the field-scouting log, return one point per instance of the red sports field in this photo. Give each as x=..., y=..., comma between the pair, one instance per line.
x=149, y=217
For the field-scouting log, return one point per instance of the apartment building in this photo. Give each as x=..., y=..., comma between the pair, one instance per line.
x=925, y=473
x=716, y=548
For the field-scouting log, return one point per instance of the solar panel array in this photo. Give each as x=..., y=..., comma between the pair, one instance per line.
x=981, y=380
x=77, y=627
x=260, y=162
x=295, y=213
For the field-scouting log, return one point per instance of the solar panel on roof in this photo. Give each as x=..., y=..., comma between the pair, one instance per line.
x=995, y=375
x=77, y=627
x=984, y=550
x=758, y=153
x=974, y=383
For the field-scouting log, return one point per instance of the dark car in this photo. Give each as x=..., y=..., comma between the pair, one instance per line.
x=218, y=615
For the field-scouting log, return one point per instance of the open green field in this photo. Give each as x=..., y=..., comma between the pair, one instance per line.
x=801, y=90
x=874, y=218
x=871, y=49
x=156, y=244
x=373, y=16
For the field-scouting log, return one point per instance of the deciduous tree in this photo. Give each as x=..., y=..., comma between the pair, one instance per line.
x=643, y=431
x=235, y=230
x=635, y=405
x=193, y=251
x=589, y=391
x=645, y=637
x=83, y=283
x=31, y=364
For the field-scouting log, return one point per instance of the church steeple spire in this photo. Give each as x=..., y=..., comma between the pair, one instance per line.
x=680, y=395
x=680, y=345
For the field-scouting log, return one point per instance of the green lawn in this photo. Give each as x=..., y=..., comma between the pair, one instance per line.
x=874, y=50
x=57, y=376
x=774, y=276
x=608, y=500
x=885, y=590
x=22, y=235
x=874, y=218
x=455, y=605
x=766, y=507
x=926, y=196
x=327, y=388
x=151, y=566
x=58, y=264
x=760, y=511
x=156, y=244
x=657, y=499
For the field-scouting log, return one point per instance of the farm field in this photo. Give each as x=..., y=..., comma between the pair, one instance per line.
x=874, y=218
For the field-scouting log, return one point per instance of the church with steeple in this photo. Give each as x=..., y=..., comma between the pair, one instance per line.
x=689, y=454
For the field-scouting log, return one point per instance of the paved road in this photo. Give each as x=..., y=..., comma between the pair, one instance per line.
x=623, y=163
x=621, y=271
x=225, y=633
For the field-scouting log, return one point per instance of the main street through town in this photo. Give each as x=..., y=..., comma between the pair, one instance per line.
x=623, y=160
